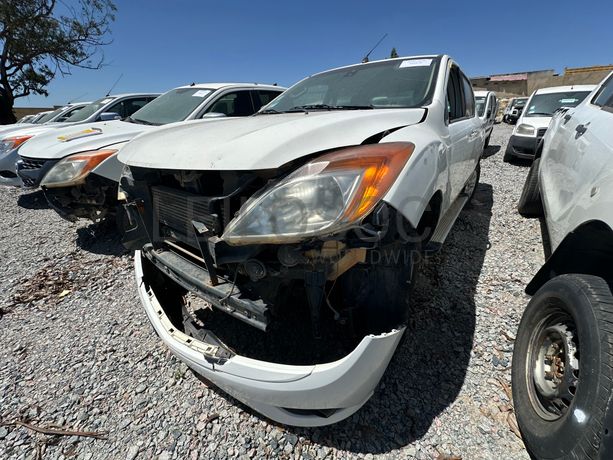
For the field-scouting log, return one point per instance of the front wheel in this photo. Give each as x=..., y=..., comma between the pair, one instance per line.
x=563, y=368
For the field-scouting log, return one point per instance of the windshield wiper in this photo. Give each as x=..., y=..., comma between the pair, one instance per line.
x=304, y=108
x=143, y=122
x=267, y=111
x=533, y=114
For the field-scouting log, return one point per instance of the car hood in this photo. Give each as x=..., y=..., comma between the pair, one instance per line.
x=262, y=141
x=61, y=142
x=537, y=122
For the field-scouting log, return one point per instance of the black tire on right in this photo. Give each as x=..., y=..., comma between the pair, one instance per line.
x=577, y=434
x=530, y=204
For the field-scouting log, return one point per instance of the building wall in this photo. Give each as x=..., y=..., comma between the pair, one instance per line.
x=542, y=79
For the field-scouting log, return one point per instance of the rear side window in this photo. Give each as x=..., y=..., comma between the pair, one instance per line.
x=261, y=97
x=235, y=104
x=127, y=107
x=469, y=97
x=604, y=97
x=455, y=99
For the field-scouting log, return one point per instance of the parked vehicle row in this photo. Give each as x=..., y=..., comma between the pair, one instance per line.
x=77, y=167
x=12, y=137
x=563, y=356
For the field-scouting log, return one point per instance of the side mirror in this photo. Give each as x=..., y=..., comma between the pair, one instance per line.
x=214, y=115
x=108, y=116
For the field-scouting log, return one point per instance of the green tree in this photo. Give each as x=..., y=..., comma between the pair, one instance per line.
x=393, y=54
x=40, y=39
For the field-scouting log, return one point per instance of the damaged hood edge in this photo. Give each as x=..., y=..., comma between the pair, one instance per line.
x=259, y=142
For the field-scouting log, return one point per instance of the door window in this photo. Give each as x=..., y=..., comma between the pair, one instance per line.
x=469, y=97
x=262, y=97
x=604, y=98
x=235, y=104
x=455, y=99
x=127, y=107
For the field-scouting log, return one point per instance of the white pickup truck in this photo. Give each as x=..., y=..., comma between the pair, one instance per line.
x=301, y=228
x=563, y=357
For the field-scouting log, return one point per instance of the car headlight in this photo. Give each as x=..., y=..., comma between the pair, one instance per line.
x=525, y=130
x=329, y=194
x=10, y=143
x=73, y=169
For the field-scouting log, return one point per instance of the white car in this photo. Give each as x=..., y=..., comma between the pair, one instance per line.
x=299, y=228
x=563, y=357
x=78, y=166
x=487, y=108
x=534, y=120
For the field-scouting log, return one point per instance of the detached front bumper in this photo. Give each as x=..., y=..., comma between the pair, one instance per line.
x=311, y=395
x=522, y=147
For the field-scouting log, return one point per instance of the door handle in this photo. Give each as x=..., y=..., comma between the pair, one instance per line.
x=567, y=118
x=581, y=129
x=474, y=133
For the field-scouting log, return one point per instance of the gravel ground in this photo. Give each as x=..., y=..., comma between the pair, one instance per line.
x=77, y=352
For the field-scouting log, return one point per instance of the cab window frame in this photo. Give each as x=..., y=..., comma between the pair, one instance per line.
x=607, y=106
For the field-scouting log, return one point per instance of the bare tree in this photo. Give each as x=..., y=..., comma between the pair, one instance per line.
x=43, y=38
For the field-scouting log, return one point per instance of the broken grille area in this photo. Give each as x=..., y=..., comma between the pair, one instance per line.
x=32, y=163
x=177, y=211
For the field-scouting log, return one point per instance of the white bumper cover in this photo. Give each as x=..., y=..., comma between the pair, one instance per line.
x=312, y=395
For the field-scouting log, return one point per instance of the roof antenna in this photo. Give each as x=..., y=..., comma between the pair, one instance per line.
x=114, y=84
x=75, y=98
x=365, y=58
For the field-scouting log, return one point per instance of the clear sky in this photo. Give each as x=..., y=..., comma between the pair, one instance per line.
x=160, y=44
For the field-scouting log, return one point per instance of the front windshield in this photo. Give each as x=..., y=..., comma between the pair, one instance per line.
x=170, y=107
x=544, y=105
x=480, y=103
x=89, y=110
x=519, y=103
x=50, y=115
x=398, y=83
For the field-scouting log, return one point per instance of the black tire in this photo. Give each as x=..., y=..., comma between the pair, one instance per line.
x=576, y=312
x=530, y=204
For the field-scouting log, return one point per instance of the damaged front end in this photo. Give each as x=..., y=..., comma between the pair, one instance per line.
x=74, y=190
x=287, y=288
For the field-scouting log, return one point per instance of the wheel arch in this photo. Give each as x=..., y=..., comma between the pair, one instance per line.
x=587, y=250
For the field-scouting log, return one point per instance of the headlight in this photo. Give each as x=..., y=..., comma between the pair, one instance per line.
x=74, y=169
x=327, y=195
x=10, y=143
x=525, y=130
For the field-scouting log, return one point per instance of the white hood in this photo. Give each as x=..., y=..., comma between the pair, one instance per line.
x=59, y=143
x=259, y=142
x=537, y=122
